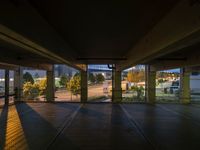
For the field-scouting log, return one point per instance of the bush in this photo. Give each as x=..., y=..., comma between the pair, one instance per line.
x=32, y=91
x=74, y=85
x=139, y=90
x=42, y=85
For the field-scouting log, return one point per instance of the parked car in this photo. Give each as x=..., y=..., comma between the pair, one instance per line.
x=174, y=89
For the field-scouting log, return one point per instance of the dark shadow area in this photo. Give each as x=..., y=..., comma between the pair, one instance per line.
x=166, y=129
x=38, y=131
x=125, y=135
x=187, y=111
x=102, y=127
x=3, y=126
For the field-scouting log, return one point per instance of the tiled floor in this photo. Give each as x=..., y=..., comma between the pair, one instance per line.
x=60, y=126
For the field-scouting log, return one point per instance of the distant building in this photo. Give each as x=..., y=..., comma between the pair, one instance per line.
x=100, y=69
x=64, y=70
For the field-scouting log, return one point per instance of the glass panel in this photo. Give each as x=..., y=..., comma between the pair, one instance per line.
x=67, y=83
x=133, y=84
x=99, y=83
x=11, y=86
x=195, y=86
x=2, y=86
x=168, y=85
x=34, y=84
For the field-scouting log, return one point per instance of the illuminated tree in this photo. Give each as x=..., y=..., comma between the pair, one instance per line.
x=136, y=76
x=74, y=85
x=42, y=85
x=30, y=90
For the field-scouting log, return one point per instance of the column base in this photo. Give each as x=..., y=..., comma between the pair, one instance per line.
x=117, y=96
x=185, y=101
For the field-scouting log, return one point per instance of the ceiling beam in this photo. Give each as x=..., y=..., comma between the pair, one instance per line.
x=25, y=28
x=182, y=23
x=191, y=60
x=8, y=66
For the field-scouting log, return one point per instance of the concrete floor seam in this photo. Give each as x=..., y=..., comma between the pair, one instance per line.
x=65, y=125
x=134, y=123
x=196, y=106
x=179, y=114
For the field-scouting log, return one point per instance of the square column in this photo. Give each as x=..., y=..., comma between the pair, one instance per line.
x=116, y=87
x=7, y=86
x=185, y=97
x=150, y=88
x=18, y=83
x=84, y=87
x=50, y=90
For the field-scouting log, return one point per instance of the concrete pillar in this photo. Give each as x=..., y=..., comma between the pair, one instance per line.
x=185, y=97
x=150, y=85
x=18, y=83
x=84, y=87
x=116, y=87
x=50, y=91
x=7, y=86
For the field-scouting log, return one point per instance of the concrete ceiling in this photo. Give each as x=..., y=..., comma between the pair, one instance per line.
x=124, y=32
x=102, y=30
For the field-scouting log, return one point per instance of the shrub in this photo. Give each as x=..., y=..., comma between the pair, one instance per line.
x=74, y=85
x=32, y=91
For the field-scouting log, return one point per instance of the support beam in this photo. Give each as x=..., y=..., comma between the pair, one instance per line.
x=192, y=58
x=18, y=83
x=7, y=86
x=8, y=66
x=116, y=87
x=84, y=87
x=50, y=91
x=185, y=97
x=43, y=40
x=178, y=29
x=150, y=84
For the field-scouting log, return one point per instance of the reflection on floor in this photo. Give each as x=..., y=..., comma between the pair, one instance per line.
x=99, y=126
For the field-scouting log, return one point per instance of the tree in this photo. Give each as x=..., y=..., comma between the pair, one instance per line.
x=30, y=91
x=42, y=85
x=27, y=77
x=136, y=76
x=36, y=75
x=141, y=76
x=92, y=78
x=74, y=85
x=63, y=80
x=130, y=76
x=100, y=78
x=139, y=91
